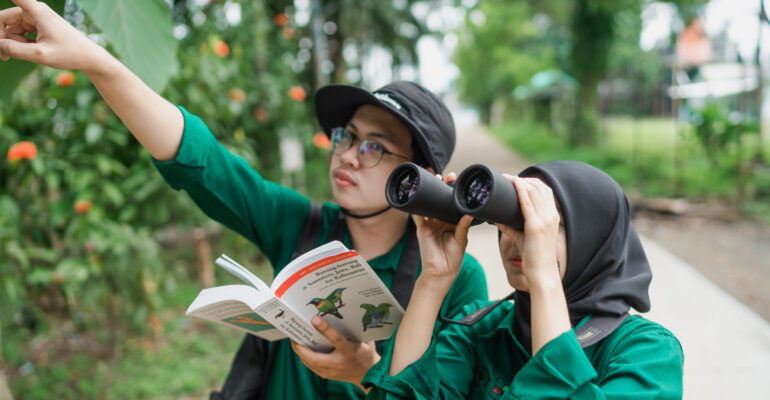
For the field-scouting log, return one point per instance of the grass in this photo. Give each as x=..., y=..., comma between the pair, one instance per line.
x=650, y=157
x=184, y=358
x=178, y=358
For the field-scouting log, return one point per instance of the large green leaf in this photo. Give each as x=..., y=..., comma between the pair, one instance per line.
x=141, y=33
x=13, y=71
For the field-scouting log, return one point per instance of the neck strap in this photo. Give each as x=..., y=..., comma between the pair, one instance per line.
x=347, y=212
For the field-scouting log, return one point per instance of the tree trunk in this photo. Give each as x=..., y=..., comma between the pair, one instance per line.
x=5, y=391
x=592, y=33
x=203, y=256
x=585, y=127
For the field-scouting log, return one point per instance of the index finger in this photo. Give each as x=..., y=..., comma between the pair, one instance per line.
x=451, y=177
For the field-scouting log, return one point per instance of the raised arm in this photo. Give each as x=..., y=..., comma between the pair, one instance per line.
x=442, y=247
x=154, y=121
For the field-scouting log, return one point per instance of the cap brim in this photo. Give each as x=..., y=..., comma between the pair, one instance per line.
x=336, y=104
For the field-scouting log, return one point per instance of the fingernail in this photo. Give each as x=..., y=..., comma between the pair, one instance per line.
x=316, y=320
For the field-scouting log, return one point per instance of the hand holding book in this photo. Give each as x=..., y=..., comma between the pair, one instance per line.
x=330, y=281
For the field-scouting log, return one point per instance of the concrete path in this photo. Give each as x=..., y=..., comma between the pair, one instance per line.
x=726, y=345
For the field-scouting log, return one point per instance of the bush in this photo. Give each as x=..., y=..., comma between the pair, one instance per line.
x=650, y=157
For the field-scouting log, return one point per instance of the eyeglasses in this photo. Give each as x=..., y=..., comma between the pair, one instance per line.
x=369, y=151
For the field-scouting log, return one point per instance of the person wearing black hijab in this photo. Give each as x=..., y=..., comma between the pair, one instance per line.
x=578, y=267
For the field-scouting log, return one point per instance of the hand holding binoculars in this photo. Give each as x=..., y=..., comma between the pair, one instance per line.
x=479, y=191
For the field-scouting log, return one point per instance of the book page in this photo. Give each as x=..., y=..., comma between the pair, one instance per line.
x=233, y=305
x=319, y=253
x=344, y=290
x=241, y=273
x=263, y=315
x=293, y=325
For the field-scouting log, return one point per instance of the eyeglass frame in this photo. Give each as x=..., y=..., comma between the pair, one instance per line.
x=335, y=148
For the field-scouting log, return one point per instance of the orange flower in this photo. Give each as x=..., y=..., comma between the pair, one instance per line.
x=237, y=94
x=222, y=49
x=261, y=115
x=281, y=19
x=321, y=141
x=297, y=93
x=65, y=78
x=155, y=324
x=287, y=32
x=22, y=150
x=82, y=206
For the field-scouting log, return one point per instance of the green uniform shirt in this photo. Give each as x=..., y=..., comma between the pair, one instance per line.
x=638, y=360
x=228, y=190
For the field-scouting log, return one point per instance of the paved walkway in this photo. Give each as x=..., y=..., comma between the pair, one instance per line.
x=726, y=345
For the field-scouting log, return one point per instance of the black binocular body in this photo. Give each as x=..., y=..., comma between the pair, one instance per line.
x=479, y=191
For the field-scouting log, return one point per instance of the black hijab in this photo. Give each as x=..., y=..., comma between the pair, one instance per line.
x=607, y=270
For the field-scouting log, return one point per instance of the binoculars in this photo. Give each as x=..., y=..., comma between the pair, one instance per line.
x=479, y=191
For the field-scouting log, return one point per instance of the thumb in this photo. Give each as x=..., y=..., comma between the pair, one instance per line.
x=461, y=231
x=505, y=229
x=23, y=51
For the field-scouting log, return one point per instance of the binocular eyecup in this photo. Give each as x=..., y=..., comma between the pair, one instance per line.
x=413, y=189
x=487, y=195
x=479, y=191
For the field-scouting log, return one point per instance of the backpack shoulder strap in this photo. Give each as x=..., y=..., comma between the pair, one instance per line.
x=311, y=229
x=406, y=273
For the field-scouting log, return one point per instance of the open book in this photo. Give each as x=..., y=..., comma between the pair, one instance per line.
x=330, y=281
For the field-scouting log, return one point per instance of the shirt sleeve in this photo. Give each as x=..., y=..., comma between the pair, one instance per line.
x=453, y=349
x=645, y=365
x=229, y=191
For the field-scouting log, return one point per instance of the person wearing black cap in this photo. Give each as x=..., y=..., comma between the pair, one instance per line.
x=371, y=133
x=578, y=266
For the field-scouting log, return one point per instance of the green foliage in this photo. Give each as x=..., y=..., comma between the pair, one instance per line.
x=715, y=129
x=140, y=32
x=75, y=227
x=649, y=157
x=13, y=71
x=149, y=52
x=592, y=40
x=189, y=359
x=79, y=220
x=365, y=24
x=500, y=47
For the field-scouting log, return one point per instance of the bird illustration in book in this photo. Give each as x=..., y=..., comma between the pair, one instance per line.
x=336, y=297
x=324, y=306
x=375, y=316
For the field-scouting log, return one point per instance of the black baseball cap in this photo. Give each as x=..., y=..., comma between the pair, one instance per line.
x=421, y=111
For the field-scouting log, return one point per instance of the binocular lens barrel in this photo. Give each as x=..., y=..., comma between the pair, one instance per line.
x=479, y=191
x=487, y=195
x=412, y=189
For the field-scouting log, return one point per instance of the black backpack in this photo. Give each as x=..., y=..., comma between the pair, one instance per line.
x=250, y=372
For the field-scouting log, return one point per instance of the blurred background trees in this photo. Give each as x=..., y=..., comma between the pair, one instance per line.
x=91, y=236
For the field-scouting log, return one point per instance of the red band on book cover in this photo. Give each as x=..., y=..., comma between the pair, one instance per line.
x=310, y=268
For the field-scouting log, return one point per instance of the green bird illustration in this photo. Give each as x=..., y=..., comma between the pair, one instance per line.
x=375, y=317
x=336, y=297
x=325, y=306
